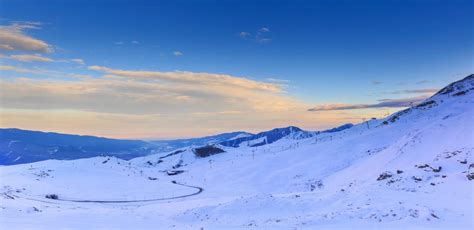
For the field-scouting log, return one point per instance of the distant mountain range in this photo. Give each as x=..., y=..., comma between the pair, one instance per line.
x=24, y=146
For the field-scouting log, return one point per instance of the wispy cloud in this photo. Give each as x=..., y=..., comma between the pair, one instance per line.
x=414, y=91
x=38, y=71
x=383, y=103
x=178, y=53
x=376, y=82
x=264, y=40
x=79, y=76
x=244, y=34
x=210, y=79
x=423, y=82
x=13, y=37
x=30, y=58
x=40, y=58
x=78, y=61
x=260, y=36
x=133, y=42
x=19, y=69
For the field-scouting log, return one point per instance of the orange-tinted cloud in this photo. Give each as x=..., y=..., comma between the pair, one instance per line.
x=30, y=58
x=14, y=38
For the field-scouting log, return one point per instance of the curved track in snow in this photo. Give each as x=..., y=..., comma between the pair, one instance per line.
x=199, y=190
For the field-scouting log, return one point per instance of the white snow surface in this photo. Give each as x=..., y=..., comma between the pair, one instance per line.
x=330, y=181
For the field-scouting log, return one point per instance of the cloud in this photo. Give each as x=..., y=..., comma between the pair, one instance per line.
x=14, y=38
x=30, y=58
x=134, y=42
x=264, y=40
x=19, y=69
x=78, y=61
x=383, y=103
x=184, y=77
x=40, y=58
x=423, y=82
x=259, y=37
x=244, y=34
x=177, y=53
x=415, y=91
x=376, y=82
x=79, y=76
x=37, y=71
x=144, y=92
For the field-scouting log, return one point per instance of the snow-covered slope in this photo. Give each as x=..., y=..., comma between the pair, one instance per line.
x=413, y=169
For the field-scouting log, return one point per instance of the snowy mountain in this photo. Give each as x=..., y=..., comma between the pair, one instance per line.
x=171, y=145
x=273, y=135
x=413, y=169
x=23, y=146
x=453, y=90
x=264, y=138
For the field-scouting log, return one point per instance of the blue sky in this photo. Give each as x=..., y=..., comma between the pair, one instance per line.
x=324, y=52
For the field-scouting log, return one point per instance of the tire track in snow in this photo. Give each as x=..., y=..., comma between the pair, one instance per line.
x=199, y=190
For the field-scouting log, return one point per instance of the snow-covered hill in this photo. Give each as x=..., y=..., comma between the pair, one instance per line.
x=413, y=169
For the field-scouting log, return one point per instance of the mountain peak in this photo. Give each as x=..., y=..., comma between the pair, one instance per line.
x=458, y=88
x=291, y=129
x=263, y=138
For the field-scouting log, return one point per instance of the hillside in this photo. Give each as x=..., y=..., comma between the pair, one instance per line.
x=412, y=169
